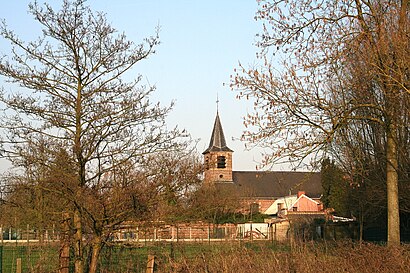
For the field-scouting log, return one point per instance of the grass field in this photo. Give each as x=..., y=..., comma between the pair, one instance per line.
x=226, y=257
x=303, y=257
x=33, y=258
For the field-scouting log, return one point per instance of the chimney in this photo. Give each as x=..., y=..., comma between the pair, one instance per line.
x=300, y=193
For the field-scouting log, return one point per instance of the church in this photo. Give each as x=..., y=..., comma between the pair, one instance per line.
x=261, y=188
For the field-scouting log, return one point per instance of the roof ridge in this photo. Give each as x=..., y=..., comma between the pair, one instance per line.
x=273, y=171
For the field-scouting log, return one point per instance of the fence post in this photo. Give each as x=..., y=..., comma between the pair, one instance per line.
x=209, y=233
x=172, y=233
x=150, y=264
x=28, y=240
x=177, y=233
x=1, y=256
x=18, y=265
x=251, y=233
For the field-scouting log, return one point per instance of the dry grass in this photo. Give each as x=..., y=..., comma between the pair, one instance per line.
x=306, y=257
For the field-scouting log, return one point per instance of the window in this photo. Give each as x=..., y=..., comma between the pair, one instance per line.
x=221, y=162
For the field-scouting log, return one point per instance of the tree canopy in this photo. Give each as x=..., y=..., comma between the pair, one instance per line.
x=331, y=72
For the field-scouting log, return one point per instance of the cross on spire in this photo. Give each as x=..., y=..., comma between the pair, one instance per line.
x=217, y=102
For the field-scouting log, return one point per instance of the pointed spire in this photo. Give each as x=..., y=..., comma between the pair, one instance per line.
x=218, y=142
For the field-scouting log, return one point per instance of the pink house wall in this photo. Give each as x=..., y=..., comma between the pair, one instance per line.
x=306, y=204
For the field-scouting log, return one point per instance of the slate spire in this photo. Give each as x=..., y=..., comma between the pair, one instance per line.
x=218, y=142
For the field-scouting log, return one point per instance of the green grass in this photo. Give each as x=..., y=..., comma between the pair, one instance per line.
x=134, y=259
x=33, y=258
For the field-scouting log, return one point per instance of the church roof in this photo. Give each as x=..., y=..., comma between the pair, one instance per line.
x=218, y=142
x=274, y=184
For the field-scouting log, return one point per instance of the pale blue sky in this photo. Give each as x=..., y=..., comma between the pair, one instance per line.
x=201, y=43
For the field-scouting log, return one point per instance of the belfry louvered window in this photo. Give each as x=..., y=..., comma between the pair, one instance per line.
x=221, y=161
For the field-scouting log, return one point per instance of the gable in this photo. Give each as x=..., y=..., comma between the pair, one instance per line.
x=286, y=203
x=304, y=203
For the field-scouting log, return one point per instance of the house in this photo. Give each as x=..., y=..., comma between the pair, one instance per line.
x=298, y=211
x=281, y=204
x=260, y=189
x=301, y=204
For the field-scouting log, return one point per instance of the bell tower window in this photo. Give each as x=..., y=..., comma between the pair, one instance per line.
x=221, y=162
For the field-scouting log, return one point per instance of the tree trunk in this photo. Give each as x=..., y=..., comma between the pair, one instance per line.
x=65, y=244
x=393, y=216
x=361, y=224
x=96, y=250
x=78, y=243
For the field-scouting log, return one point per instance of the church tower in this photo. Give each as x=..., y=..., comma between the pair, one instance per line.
x=218, y=157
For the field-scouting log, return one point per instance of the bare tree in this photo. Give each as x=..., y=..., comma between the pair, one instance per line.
x=176, y=177
x=28, y=200
x=73, y=95
x=329, y=49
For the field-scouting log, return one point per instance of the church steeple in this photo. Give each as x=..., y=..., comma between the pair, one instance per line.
x=218, y=142
x=218, y=157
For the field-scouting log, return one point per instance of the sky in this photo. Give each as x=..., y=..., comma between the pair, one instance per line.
x=201, y=44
